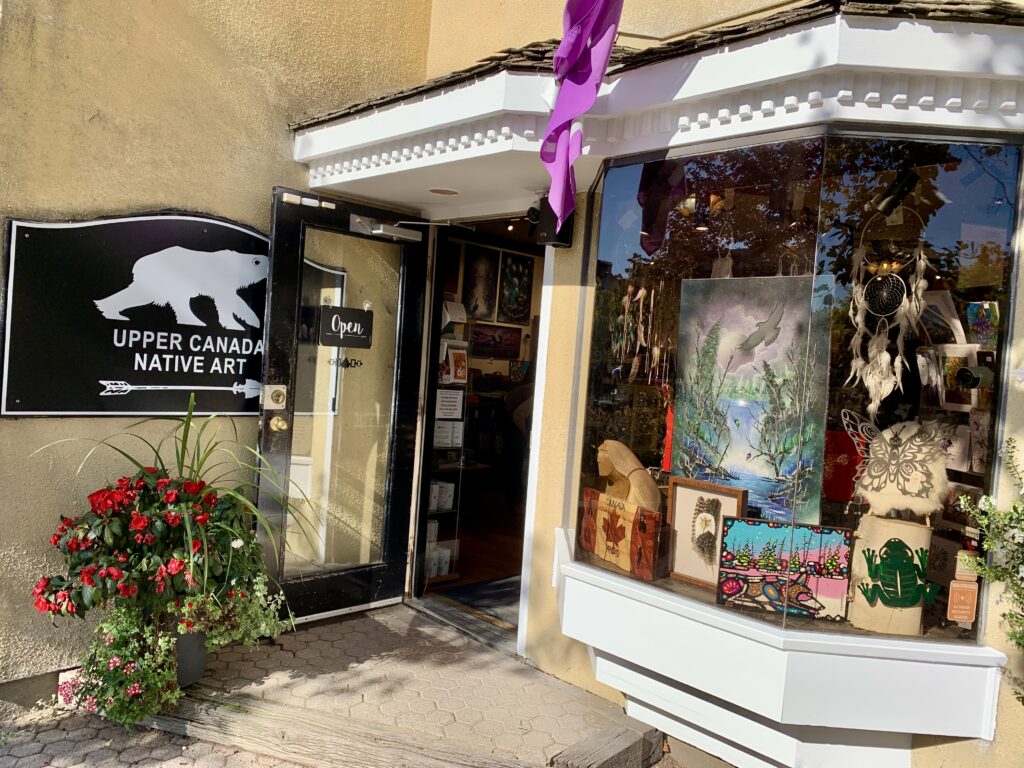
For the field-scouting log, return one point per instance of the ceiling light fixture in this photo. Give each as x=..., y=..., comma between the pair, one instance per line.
x=443, y=191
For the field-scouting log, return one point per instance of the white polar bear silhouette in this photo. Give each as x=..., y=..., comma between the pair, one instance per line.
x=174, y=276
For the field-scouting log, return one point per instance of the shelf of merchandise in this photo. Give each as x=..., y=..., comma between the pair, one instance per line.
x=799, y=697
x=449, y=465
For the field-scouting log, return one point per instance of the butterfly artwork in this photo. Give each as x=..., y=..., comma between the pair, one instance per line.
x=902, y=467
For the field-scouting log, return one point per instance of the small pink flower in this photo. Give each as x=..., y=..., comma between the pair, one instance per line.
x=133, y=690
x=114, y=663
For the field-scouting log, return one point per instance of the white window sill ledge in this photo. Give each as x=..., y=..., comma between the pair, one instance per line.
x=698, y=663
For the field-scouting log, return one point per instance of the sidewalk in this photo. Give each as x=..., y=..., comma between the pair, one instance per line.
x=393, y=668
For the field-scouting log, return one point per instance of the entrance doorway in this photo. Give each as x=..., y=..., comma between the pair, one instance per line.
x=344, y=332
x=486, y=308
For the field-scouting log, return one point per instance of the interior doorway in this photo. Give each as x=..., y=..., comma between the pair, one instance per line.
x=486, y=308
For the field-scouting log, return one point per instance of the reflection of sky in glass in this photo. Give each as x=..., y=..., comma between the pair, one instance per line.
x=971, y=192
x=620, y=218
x=980, y=197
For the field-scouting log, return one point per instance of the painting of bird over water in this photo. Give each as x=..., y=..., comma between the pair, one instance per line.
x=751, y=389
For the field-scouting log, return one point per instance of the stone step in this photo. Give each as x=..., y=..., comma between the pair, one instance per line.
x=315, y=738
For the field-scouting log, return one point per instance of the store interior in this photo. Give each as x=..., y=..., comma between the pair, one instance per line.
x=486, y=308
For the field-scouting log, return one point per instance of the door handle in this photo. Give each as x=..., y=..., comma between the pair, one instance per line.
x=279, y=424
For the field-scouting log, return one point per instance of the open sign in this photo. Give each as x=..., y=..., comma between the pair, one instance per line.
x=345, y=327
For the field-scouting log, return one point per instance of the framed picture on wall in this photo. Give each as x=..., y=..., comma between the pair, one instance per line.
x=950, y=358
x=480, y=282
x=696, y=510
x=515, y=295
x=496, y=341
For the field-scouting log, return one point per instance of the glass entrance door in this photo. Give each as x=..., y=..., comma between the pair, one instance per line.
x=339, y=410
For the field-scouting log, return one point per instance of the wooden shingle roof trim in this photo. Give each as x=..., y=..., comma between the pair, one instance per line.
x=537, y=57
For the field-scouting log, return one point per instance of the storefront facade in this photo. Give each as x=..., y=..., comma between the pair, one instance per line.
x=752, y=166
x=736, y=174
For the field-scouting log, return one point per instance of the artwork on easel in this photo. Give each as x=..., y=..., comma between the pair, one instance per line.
x=797, y=570
x=480, y=282
x=753, y=357
x=515, y=294
x=695, y=513
x=954, y=396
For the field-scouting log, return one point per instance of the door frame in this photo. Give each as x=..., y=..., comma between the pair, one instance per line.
x=359, y=587
x=443, y=235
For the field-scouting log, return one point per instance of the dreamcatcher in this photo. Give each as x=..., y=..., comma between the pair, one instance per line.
x=882, y=300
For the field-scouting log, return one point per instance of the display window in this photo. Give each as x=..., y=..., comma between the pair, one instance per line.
x=794, y=377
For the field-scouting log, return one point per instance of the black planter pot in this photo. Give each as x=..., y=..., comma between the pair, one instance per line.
x=190, y=652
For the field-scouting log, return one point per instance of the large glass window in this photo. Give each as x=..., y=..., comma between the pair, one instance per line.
x=793, y=377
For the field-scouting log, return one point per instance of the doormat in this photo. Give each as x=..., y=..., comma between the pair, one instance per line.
x=496, y=602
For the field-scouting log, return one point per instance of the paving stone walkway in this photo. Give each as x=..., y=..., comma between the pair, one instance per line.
x=396, y=666
x=58, y=739
x=393, y=666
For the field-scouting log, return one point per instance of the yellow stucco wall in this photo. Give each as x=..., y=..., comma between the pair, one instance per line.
x=546, y=646
x=111, y=106
x=463, y=31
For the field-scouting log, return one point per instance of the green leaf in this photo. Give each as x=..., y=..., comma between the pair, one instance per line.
x=108, y=536
x=116, y=526
x=87, y=595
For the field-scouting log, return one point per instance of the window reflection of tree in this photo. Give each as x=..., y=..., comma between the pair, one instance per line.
x=855, y=169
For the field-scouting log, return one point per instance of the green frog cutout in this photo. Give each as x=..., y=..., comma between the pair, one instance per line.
x=899, y=581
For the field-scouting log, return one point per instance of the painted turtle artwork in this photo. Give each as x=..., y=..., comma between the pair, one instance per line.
x=899, y=581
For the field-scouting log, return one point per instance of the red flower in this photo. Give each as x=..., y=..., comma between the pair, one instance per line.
x=69, y=607
x=127, y=590
x=149, y=538
x=86, y=575
x=113, y=572
x=196, y=544
x=55, y=539
x=162, y=483
x=175, y=566
x=62, y=596
x=123, y=483
x=41, y=605
x=139, y=522
x=138, y=538
x=40, y=587
x=171, y=497
x=149, y=470
x=203, y=518
x=210, y=499
x=192, y=488
x=73, y=544
x=173, y=518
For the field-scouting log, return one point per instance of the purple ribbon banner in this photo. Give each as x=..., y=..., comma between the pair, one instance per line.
x=579, y=63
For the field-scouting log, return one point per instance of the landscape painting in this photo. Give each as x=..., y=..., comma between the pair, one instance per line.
x=796, y=570
x=751, y=389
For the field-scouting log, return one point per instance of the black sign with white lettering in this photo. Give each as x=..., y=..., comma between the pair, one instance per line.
x=129, y=315
x=345, y=327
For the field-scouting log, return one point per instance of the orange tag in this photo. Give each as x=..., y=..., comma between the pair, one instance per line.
x=963, y=601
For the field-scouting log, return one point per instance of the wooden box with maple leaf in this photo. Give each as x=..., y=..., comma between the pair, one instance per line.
x=624, y=534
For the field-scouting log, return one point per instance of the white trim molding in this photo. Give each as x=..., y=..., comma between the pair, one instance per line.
x=482, y=138
x=701, y=673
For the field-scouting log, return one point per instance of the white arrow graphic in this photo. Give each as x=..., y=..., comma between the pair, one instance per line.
x=249, y=388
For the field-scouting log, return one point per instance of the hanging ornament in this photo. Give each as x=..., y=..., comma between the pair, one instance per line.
x=882, y=300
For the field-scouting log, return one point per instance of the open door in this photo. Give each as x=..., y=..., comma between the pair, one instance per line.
x=339, y=404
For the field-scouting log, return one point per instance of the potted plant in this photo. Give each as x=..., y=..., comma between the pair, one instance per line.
x=1003, y=539
x=172, y=551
